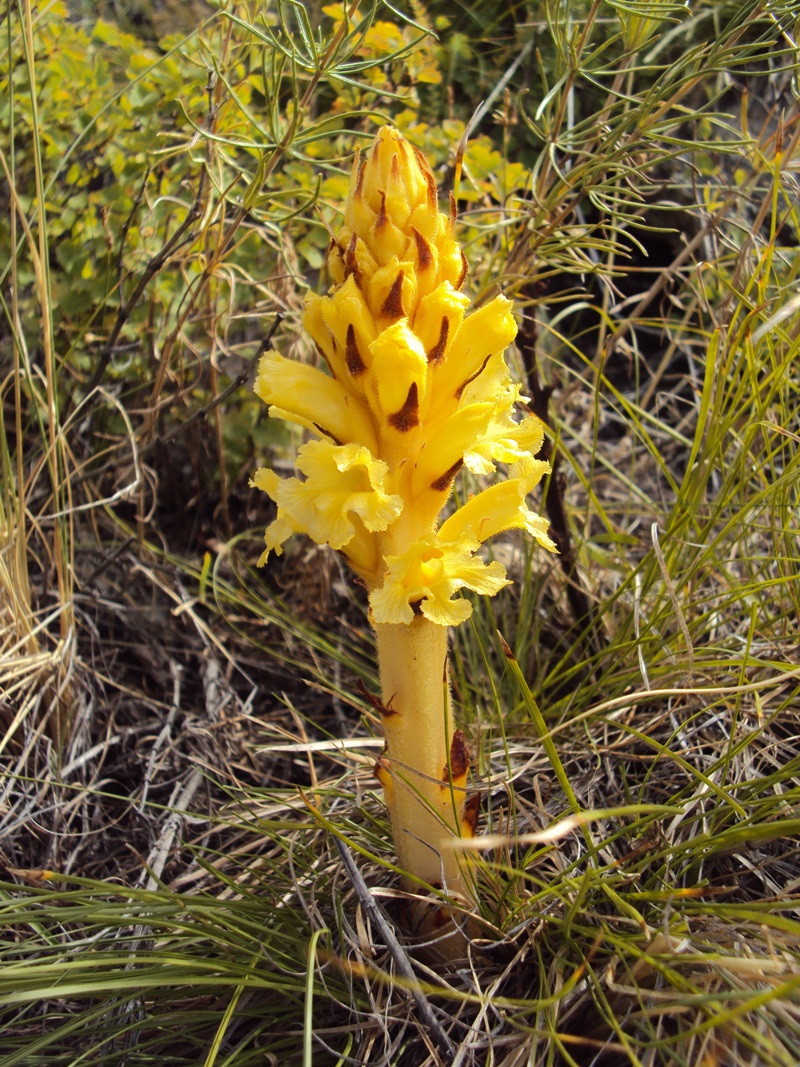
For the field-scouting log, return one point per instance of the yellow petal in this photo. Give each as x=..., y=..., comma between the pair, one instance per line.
x=284, y=526
x=505, y=441
x=438, y=320
x=266, y=480
x=347, y=255
x=446, y=441
x=392, y=292
x=343, y=329
x=362, y=553
x=341, y=481
x=399, y=371
x=426, y=578
x=502, y=507
x=486, y=332
x=303, y=394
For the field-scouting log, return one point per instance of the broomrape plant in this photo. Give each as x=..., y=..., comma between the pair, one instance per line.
x=416, y=389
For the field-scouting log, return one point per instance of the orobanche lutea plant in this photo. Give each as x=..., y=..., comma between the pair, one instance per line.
x=416, y=388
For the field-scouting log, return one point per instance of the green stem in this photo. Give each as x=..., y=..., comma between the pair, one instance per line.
x=424, y=768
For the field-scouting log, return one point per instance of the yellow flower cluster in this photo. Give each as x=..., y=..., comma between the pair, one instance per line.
x=415, y=389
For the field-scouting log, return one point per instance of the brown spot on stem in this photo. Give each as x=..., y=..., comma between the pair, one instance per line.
x=384, y=709
x=355, y=364
x=424, y=253
x=408, y=416
x=464, y=268
x=472, y=377
x=453, y=209
x=437, y=352
x=469, y=820
x=393, y=304
x=444, y=481
x=459, y=758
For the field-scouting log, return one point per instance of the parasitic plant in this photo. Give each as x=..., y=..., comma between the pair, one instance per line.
x=416, y=388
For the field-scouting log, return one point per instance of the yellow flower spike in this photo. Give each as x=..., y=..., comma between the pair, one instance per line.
x=417, y=388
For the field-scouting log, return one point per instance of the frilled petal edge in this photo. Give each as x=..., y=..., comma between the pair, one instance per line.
x=426, y=578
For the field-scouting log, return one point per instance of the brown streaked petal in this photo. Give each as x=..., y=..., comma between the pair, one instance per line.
x=424, y=252
x=463, y=275
x=326, y=433
x=383, y=218
x=472, y=377
x=393, y=304
x=423, y=163
x=430, y=181
x=355, y=364
x=351, y=263
x=437, y=352
x=321, y=353
x=433, y=192
x=408, y=416
x=444, y=481
x=361, y=168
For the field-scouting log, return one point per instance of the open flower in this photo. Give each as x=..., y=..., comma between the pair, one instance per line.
x=424, y=579
x=342, y=481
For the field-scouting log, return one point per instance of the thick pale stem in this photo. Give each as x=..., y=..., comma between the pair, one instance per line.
x=424, y=768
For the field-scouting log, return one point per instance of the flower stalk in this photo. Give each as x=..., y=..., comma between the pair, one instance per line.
x=414, y=390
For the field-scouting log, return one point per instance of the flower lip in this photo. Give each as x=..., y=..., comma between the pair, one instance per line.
x=426, y=578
